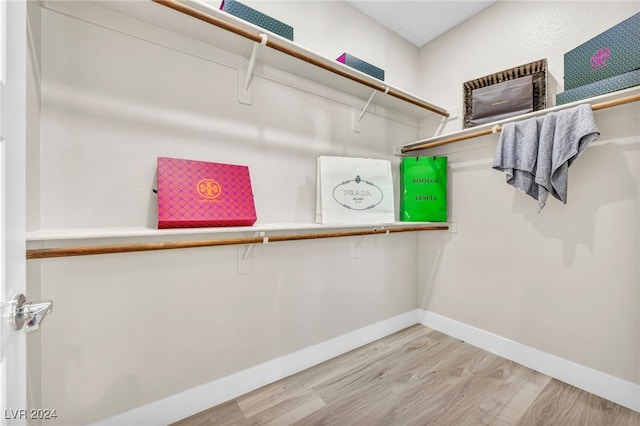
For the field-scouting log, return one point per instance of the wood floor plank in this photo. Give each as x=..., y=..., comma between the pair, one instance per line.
x=394, y=367
x=418, y=377
x=441, y=384
x=452, y=394
x=365, y=408
x=563, y=404
x=224, y=414
x=423, y=384
x=291, y=410
x=510, y=401
x=273, y=394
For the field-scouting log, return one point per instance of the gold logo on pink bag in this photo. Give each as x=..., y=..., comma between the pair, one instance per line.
x=209, y=188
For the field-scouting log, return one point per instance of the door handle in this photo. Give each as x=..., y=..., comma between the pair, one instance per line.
x=30, y=315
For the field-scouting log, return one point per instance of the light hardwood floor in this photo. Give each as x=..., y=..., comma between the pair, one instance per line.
x=417, y=376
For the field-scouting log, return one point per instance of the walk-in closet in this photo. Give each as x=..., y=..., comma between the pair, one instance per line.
x=152, y=326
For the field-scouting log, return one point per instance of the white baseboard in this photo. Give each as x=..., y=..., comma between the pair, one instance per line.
x=606, y=386
x=200, y=398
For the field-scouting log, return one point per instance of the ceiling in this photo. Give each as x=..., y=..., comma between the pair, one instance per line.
x=420, y=21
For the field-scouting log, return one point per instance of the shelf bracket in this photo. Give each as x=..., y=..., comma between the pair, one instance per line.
x=453, y=115
x=244, y=254
x=245, y=77
x=357, y=243
x=357, y=120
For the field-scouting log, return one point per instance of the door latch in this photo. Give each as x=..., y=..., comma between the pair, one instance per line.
x=30, y=315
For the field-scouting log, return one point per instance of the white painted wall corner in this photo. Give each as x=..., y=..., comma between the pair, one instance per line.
x=192, y=401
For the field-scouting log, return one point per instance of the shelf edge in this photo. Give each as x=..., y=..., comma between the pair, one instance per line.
x=72, y=251
x=486, y=128
x=122, y=233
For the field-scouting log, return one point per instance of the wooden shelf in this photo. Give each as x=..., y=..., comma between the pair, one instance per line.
x=598, y=102
x=150, y=233
x=63, y=249
x=280, y=53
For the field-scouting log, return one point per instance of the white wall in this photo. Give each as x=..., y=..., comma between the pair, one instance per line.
x=565, y=280
x=131, y=329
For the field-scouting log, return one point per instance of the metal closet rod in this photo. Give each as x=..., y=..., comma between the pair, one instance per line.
x=195, y=13
x=497, y=128
x=135, y=247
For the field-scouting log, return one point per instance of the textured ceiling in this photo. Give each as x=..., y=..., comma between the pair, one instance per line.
x=420, y=21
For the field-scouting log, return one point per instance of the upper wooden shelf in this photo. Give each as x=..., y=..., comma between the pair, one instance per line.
x=200, y=21
x=598, y=102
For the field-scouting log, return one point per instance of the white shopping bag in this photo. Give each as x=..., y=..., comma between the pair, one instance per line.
x=354, y=190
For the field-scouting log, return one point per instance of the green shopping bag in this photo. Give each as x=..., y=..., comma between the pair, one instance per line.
x=423, y=189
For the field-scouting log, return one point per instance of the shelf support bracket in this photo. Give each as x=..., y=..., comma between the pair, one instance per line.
x=244, y=254
x=357, y=120
x=244, y=78
x=357, y=243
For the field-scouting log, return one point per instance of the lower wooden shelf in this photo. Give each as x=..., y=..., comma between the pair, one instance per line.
x=320, y=232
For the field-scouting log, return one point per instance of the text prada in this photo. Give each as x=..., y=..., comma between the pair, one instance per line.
x=357, y=193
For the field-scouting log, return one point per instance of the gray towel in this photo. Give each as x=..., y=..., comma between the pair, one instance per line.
x=536, y=153
x=564, y=136
x=517, y=154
